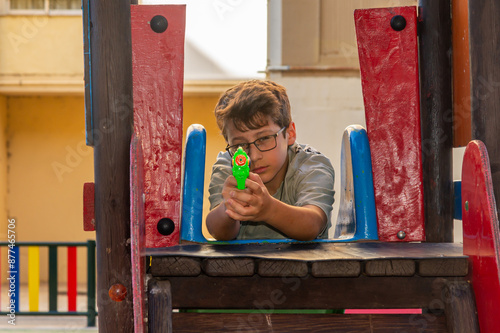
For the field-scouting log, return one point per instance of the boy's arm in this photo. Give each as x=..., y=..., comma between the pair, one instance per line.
x=301, y=223
x=220, y=225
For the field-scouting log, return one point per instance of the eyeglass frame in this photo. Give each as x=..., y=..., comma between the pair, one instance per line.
x=275, y=135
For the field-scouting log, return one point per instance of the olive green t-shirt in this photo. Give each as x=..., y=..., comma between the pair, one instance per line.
x=309, y=180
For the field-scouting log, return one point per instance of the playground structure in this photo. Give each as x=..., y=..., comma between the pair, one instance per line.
x=391, y=273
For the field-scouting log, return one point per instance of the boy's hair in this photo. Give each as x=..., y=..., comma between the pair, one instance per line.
x=248, y=103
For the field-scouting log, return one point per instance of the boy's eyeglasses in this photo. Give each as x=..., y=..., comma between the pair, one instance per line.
x=265, y=143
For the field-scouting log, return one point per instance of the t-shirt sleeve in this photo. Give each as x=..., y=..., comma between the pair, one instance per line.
x=314, y=184
x=220, y=171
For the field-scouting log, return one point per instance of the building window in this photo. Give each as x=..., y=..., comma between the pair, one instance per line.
x=26, y=4
x=44, y=7
x=65, y=4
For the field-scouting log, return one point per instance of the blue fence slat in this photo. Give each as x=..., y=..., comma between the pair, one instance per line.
x=13, y=277
x=364, y=193
x=194, y=178
x=457, y=207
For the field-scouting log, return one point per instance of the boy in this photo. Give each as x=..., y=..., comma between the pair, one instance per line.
x=289, y=193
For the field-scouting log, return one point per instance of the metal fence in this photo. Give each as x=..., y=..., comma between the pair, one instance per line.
x=14, y=269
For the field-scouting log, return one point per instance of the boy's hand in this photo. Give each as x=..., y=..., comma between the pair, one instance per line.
x=230, y=185
x=252, y=204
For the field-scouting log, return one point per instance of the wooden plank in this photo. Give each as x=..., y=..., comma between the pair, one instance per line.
x=336, y=268
x=485, y=81
x=481, y=234
x=159, y=306
x=390, y=268
x=158, y=68
x=461, y=74
x=187, y=266
x=112, y=120
x=175, y=266
x=228, y=267
x=409, y=323
x=436, y=118
x=275, y=322
x=460, y=309
x=443, y=267
x=315, y=252
x=288, y=268
x=88, y=207
x=389, y=77
x=137, y=232
x=205, y=292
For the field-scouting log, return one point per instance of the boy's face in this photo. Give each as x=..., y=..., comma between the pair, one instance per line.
x=270, y=165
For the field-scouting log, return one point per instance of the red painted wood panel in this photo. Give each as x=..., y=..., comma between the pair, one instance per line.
x=481, y=234
x=389, y=76
x=72, y=264
x=137, y=231
x=158, y=71
x=88, y=207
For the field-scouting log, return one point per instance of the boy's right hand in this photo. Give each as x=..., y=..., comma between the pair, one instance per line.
x=230, y=185
x=219, y=223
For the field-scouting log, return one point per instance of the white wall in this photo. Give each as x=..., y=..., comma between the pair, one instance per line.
x=322, y=107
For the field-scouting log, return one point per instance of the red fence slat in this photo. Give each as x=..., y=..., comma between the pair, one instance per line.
x=72, y=263
x=158, y=73
x=389, y=76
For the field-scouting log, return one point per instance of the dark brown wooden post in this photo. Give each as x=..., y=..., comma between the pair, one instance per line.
x=485, y=81
x=460, y=308
x=112, y=107
x=437, y=118
x=159, y=306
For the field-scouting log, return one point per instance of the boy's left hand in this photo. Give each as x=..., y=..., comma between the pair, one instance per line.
x=252, y=204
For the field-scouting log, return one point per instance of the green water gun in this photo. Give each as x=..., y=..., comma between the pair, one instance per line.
x=241, y=168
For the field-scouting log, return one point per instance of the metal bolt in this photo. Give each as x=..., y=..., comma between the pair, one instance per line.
x=117, y=292
x=398, y=23
x=159, y=23
x=165, y=226
x=401, y=234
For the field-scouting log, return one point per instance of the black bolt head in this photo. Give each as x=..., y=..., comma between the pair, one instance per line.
x=159, y=23
x=165, y=226
x=398, y=23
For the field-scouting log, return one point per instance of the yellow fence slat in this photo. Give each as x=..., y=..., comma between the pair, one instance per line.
x=33, y=277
